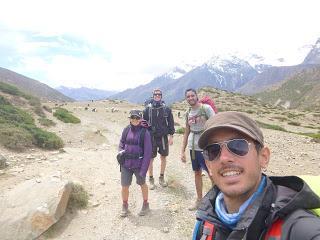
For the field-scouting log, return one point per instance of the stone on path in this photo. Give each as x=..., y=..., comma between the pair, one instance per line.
x=30, y=208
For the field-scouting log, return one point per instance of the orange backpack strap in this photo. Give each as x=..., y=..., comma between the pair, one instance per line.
x=208, y=231
x=274, y=233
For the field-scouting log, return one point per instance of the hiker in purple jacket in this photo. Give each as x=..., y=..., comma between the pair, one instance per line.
x=134, y=157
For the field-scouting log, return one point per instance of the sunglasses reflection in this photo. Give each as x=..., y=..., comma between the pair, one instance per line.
x=238, y=147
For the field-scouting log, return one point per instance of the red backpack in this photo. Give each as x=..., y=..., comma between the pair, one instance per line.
x=210, y=102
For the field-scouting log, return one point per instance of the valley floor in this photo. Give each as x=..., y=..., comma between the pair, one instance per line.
x=89, y=158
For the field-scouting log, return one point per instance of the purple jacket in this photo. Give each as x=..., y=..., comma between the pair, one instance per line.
x=134, y=136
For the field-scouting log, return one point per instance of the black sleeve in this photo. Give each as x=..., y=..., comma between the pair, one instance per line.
x=170, y=122
x=302, y=225
x=146, y=114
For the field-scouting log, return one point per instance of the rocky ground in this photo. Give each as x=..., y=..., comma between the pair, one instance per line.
x=89, y=158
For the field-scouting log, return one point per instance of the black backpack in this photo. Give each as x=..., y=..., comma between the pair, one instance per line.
x=150, y=107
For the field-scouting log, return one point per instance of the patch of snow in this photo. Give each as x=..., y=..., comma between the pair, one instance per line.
x=277, y=102
x=286, y=105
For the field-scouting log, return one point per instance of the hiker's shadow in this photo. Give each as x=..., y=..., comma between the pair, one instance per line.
x=161, y=219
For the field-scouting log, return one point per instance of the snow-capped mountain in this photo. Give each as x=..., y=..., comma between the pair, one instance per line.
x=314, y=55
x=180, y=70
x=228, y=73
x=233, y=72
x=258, y=62
x=143, y=92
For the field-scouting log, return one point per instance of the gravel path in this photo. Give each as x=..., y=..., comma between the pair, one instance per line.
x=89, y=158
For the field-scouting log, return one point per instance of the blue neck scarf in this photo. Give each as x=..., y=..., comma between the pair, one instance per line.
x=231, y=219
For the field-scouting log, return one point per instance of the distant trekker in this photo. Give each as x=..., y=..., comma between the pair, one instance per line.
x=160, y=118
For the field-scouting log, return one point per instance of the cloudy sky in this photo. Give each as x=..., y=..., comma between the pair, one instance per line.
x=117, y=44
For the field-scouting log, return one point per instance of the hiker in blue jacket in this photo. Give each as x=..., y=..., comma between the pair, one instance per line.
x=245, y=203
x=134, y=155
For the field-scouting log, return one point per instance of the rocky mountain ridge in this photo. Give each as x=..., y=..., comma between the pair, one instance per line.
x=313, y=56
x=31, y=86
x=83, y=93
x=298, y=91
x=227, y=73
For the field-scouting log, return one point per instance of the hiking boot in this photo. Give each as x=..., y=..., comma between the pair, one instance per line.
x=124, y=211
x=162, y=182
x=144, y=210
x=195, y=206
x=152, y=186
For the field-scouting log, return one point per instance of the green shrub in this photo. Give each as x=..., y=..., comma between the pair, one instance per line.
x=310, y=126
x=38, y=110
x=65, y=116
x=35, y=102
x=44, y=139
x=271, y=126
x=180, y=130
x=46, y=122
x=79, y=197
x=18, y=130
x=7, y=88
x=48, y=109
x=249, y=111
x=13, y=115
x=294, y=123
x=15, y=138
x=282, y=119
x=293, y=115
x=314, y=136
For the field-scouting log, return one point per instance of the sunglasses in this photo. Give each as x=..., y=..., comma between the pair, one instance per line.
x=157, y=94
x=135, y=117
x=238, y=147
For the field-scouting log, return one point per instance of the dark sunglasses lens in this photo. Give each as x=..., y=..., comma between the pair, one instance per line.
x=239, y=147
x=157, y=94
x=135, y=117
x=212, y=151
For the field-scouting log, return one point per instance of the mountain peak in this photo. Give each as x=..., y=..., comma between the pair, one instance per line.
x=181, y=70
x=314, y=55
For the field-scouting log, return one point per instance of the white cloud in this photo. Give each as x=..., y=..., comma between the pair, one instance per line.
x=138, y=40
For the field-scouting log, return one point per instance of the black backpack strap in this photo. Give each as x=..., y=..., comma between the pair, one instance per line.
x=166, y=114
x=125, y=133
x=150, y=113
x=141, y=139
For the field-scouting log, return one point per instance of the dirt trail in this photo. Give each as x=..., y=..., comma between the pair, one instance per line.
x=90, y=159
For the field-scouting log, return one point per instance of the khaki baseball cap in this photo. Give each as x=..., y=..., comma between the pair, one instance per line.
x=233, y=120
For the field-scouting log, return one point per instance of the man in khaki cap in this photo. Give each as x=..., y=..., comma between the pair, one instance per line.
x=245, y=203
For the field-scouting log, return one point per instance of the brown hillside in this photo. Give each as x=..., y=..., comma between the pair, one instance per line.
x=31, y=86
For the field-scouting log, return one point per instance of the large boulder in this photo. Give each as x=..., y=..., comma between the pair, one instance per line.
x=30, y=208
